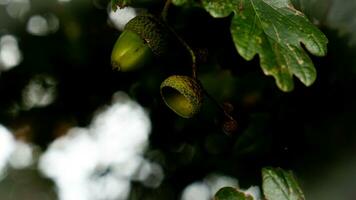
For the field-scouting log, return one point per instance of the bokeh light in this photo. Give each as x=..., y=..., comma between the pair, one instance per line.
x=120, y=17
x=205, y=190
x=7, y=144
x=39, y=92
x=100, y=161
x=42, y=25
x=22, y=155
x=18, y=8
x=10, y=54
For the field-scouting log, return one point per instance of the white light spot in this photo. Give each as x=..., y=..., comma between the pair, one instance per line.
x=120, y=17
x=42, y=25
x=255, y=192
x=18, y=8
x=216, y=182
x=40, y=92
x=121, y=131
x=37, y=25
x=109, y=187
x=197, y=190
x=70, y=157
x=150, y=174
x=7, y=145
x=212, y=184
x=100, y=161
x=64, y=1
x=10, y=54
x=21, y=157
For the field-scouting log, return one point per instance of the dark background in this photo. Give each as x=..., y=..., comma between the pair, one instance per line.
x=310, y=130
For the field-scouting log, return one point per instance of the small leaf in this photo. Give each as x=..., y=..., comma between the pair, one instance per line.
x=279, y=184
x=230, y=193
x=274, y=30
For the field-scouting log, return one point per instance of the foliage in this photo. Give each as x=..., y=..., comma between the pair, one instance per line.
x=278, y=184
x=306, y=130
x=229, y=193
x=274, y=30
x=277, y=32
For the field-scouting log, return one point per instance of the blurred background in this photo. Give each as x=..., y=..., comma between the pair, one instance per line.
x=71, y=128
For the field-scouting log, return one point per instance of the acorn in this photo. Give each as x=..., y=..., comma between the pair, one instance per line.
x=143, y=38
x=182, y=94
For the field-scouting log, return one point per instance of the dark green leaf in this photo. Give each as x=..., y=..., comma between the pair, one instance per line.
x=279, y=184
x=230, y=193
x=334, y=14
x=274, y=30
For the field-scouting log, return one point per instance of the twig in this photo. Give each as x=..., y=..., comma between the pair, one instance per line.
x=191, y=52
x=164, y=12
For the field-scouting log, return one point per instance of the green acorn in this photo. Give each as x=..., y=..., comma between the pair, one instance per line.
x=143, y=38
x=182, y=94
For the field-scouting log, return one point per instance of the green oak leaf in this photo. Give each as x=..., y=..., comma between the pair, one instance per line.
x=274, y=30
x=230, y=193
x=279, y=184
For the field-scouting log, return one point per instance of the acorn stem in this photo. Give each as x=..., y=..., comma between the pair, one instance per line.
x=191, y=52
x=164, y=12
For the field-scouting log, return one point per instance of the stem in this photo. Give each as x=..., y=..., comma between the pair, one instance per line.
x=165, y=10
x=193, y=57
x=191, y=52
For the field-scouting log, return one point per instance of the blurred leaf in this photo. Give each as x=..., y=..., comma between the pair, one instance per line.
x=279, y=184
x=316, y=10
x=274, y=30
x=226, y=87
x=335, y=14
x=230, y=193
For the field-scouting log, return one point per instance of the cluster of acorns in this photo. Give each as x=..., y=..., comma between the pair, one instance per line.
x=144, y=38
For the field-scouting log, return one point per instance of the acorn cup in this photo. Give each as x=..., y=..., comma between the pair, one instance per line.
x=182, y=94
x=144, y=37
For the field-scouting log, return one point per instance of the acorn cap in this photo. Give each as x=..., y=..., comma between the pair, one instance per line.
x=182, y=94
x=130, y=52
x=152, y=31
